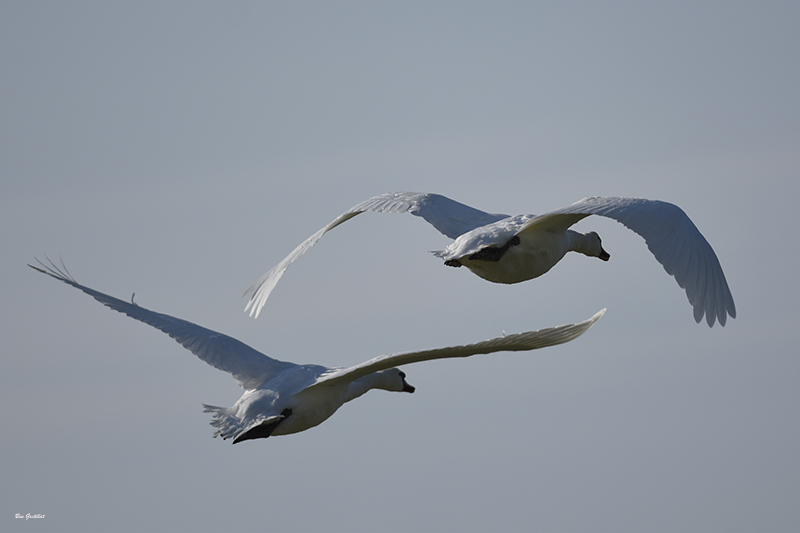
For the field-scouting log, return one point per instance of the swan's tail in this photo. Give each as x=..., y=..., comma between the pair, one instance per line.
x=228, y=426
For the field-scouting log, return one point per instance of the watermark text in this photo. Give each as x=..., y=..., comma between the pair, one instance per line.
x=28, y=516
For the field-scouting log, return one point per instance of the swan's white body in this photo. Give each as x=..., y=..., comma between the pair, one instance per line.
x=281, y=398
x=511, y=249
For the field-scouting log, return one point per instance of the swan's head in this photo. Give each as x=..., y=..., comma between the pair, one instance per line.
x=394, y=380
x=596, y=246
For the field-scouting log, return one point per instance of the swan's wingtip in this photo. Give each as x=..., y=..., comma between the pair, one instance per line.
x=258, y=296
x=253, y=308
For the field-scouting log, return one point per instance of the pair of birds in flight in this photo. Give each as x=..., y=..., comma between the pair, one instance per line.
x=281, y=398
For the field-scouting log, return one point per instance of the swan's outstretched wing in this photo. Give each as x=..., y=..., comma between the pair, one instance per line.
x=225, y=353
x=448, y=216
x=673, y=239
x=529, y=340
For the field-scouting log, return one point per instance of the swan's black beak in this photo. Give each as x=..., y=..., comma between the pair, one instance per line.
x=605, y=256
x=407, y=387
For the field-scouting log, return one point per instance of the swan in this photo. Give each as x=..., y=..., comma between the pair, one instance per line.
x=510, y=249
x=281, y=398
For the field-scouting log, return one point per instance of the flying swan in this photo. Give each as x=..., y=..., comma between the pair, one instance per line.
x=281, y=398
x=510, y=249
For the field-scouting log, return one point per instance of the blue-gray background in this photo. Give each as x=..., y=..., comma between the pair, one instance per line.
x=180, y=149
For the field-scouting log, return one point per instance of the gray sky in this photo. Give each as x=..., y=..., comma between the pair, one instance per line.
x=180, y=150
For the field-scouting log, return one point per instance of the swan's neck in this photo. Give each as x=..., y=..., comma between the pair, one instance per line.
x=585, y=243
x=362, y=385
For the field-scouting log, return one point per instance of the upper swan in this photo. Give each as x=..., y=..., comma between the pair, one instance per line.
x=506, y=249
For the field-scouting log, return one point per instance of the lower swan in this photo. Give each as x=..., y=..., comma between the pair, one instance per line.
x=280, y=397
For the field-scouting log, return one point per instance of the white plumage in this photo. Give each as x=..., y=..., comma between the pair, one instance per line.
x=282, y=397
x=506, y=249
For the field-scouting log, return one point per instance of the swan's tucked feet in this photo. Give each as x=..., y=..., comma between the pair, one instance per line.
x=263, y=430
x=494, y=253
